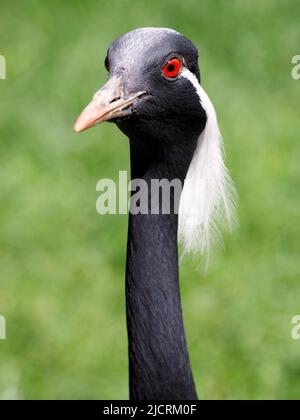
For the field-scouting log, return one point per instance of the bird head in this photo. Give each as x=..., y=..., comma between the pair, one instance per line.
x=147, y=83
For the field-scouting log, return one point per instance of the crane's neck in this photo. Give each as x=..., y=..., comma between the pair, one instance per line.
x=158, y=357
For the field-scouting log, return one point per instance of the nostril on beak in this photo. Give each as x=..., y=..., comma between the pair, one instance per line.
x=115, y=99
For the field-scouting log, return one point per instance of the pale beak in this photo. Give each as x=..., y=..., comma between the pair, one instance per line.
x=108, y=103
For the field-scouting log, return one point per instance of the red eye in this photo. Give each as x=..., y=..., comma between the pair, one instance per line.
x=106, y=63
x=172, y=68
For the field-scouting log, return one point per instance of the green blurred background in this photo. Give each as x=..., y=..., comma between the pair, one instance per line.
x=62, y=265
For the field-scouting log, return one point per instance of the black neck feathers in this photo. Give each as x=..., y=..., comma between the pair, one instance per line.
x=159, y=365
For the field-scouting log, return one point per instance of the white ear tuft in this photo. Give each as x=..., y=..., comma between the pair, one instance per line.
x=208, y=197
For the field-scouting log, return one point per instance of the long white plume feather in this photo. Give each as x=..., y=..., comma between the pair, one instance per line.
x=208, y=197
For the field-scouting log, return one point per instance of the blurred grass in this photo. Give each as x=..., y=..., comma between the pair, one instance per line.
x=62, y=288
